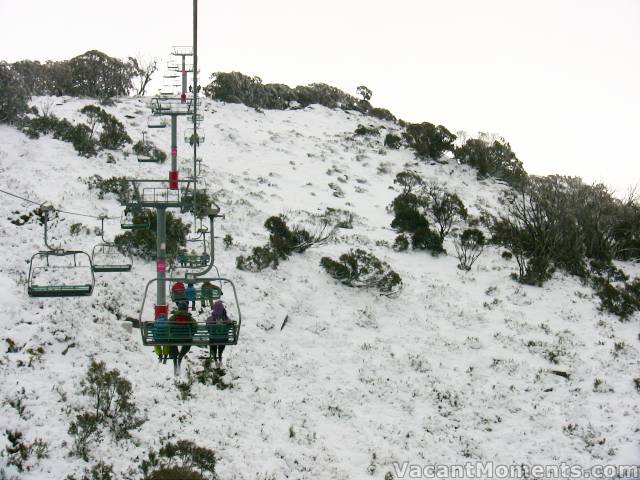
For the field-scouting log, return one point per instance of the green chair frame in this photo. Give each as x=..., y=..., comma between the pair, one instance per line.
x=197, y=333
x=60, y=290
x=113, y=267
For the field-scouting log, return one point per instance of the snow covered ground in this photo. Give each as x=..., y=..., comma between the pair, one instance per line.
x=455, y=369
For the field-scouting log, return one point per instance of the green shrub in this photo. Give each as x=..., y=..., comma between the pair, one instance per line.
x=113, y=135
x=283, y=241
x=363, y=130
x=182, y=460
x=495, y=159
x=401, y=243
x=260, y=258
x=14, y=97
x=142, y=243
x=392, y=141
x=111, y=395
x=428, y=140
x=199, y=206
x=622, y=302
x=227, y=241
x=445, y=208
x=100, y=471
x=115, y=185
x=427, y=239
x=409, y=181
x=469, y=247
x=234, y=87
x=84, y=429
x=381, y=113
x=407, y=217
x=148, y=149
x=61, y=129
x=18, y=452
x=362, y=269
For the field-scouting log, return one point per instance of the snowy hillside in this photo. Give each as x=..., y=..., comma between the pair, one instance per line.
x=457, y=368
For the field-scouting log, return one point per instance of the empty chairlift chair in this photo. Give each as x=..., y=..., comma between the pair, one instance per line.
x=145, y=151
x=134, y=221
x=107, y=258
x=59, y=273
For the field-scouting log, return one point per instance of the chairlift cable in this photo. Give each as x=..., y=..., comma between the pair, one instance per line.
x=55, y=209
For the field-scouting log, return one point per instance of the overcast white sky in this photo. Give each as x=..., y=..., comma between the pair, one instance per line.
x=559, y=79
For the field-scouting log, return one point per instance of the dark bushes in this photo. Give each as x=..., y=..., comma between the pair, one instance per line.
x=428, y=141
x=234, y=87
x=92, y=74
x=142, y=243
x=392, y=141
x=111, y=407
x=469, y=247
x=362, y=269
x=113, y=134
x=560, y=222
x=13, y=94
x=116, y=185
x=182, y=460
x=283, y=241
x=493, y=159
x=61, y=129
x=148, y=149
x=414, y=203
x=366, y=131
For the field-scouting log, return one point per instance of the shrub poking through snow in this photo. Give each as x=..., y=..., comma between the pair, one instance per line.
x=621, y=301
x=283, y=241
x=445, y=207
x=493, y=159
x=113, y=135
x=427, y=140
x=401, y=243
x=408, y=218
x=13, y=94
x=362, y=269
x=148, y=149
x=182, y=460
x=427, y=239
x=19, y=453
x=469, y=247
x=410, y=181
x=363, y=130
x=392, y=141
x=61, y=129
x=115, y=185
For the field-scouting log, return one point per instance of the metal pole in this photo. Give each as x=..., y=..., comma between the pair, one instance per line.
x=161, y=247
x=174, y=151
x=195, y=102
x=183, y=97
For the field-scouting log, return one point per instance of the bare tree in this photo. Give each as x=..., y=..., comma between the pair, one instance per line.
x=144, y=70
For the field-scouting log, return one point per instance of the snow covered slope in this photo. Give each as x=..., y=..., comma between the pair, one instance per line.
x=455, y=369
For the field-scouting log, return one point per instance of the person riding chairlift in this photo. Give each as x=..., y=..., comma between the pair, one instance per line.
x=217, y=316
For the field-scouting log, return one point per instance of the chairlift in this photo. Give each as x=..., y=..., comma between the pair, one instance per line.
x=144, y=156
x=107, y=258
x=202, y=331
x=157, y=122
x=59, y=273
x=134, y=220
x=192, y=137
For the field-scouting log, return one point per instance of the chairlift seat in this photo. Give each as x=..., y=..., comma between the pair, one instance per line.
x=197, y=333
x=60, y=290
x=111, y=268
x=212, y=293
